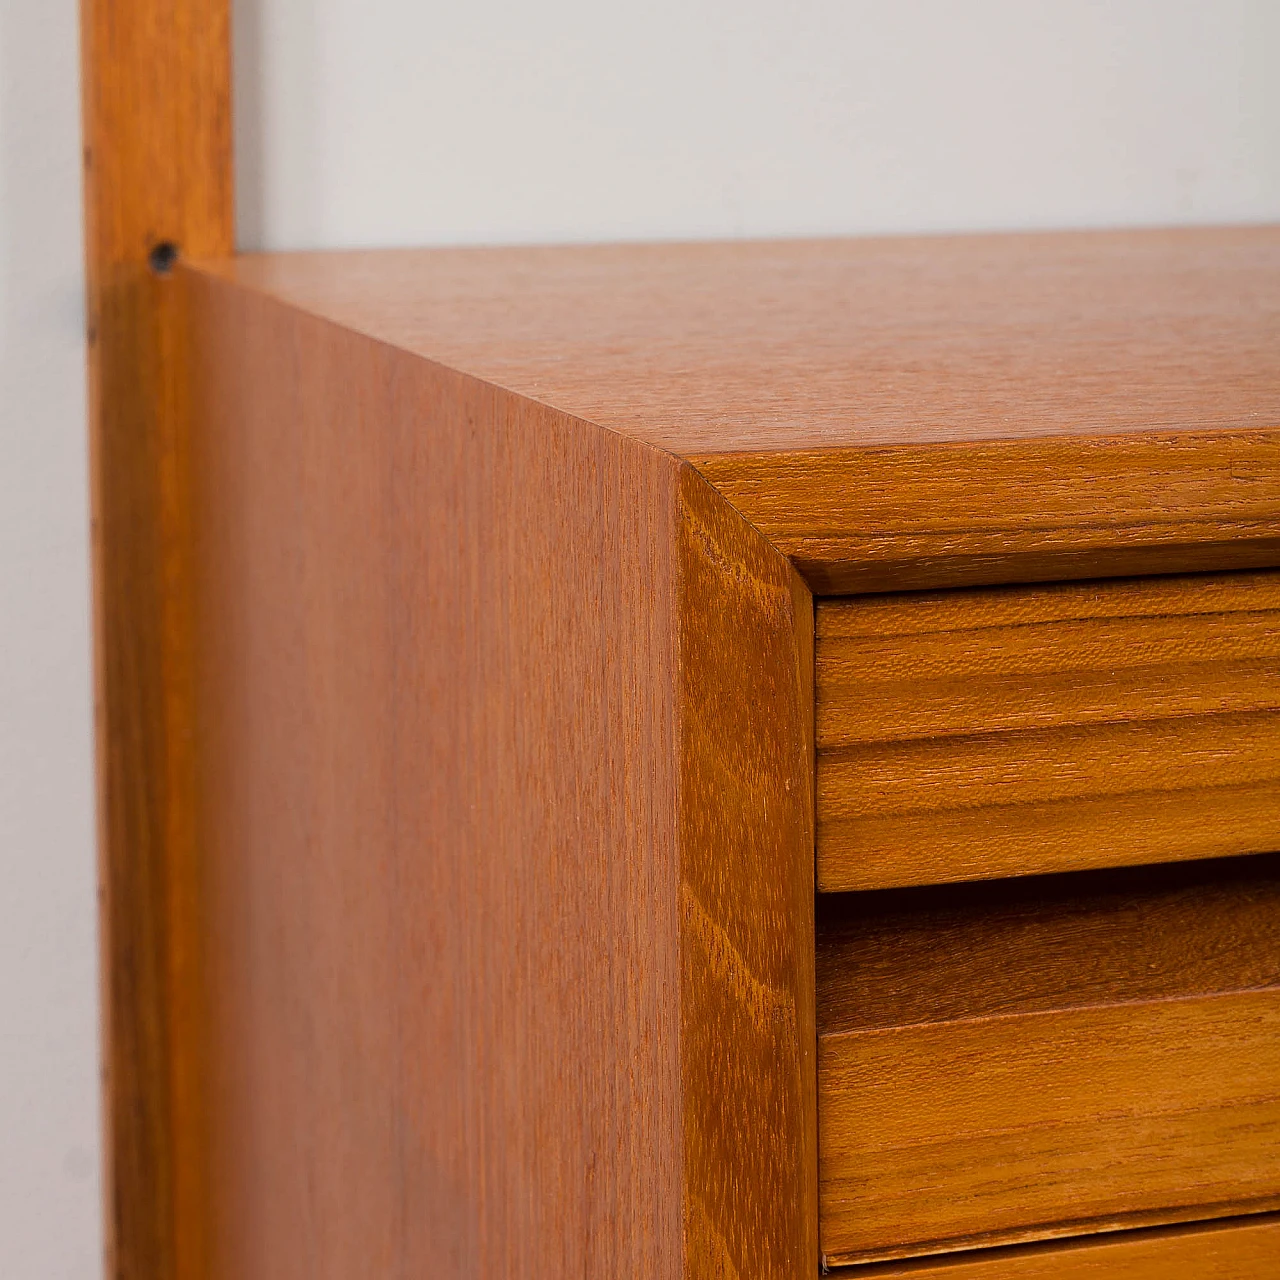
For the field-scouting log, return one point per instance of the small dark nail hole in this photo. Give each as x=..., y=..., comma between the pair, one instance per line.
x=162, y=257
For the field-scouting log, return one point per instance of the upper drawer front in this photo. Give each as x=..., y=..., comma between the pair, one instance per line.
x=1018, y=730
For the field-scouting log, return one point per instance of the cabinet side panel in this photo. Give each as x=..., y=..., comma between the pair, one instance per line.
x=748, y=1036
x=438, y=814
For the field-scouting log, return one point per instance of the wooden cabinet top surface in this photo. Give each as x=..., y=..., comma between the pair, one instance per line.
x=769, y=347
x=895, y=412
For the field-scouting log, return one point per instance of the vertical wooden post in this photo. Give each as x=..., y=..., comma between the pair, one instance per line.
x=158, y=184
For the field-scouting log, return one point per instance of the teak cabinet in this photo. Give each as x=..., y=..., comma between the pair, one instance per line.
x=677, y=761
x=518, y=738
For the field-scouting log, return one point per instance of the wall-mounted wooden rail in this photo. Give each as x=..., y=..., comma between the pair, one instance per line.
x=158, y=183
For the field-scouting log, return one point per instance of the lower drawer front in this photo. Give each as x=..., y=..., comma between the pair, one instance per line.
x=1029, y=729
x=1232, y=1249
x=1045, y=1059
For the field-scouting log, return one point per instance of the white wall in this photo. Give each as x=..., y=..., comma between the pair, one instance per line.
x=418, y=122
x=49, y=1144
x=491, y=120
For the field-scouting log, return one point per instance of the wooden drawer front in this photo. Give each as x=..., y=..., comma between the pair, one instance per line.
x=1238, y=1249
x=1047, y=1058
x=1018, y=730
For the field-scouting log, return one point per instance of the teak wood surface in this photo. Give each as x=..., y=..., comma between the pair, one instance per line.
x=1021, y=730
x=1048, y=1057
x=1239, y=1249
x=156, y=77
x=890, y=413
x=455, y=734
x=509, y=890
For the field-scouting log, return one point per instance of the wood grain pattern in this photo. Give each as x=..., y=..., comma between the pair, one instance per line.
x=157, y=93
x=1019, y=510
x=1237, y=1249
x=1017, y=730
x=506, y=877
x=892, y=413
x=1048, y=1057
x=747, y=1032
